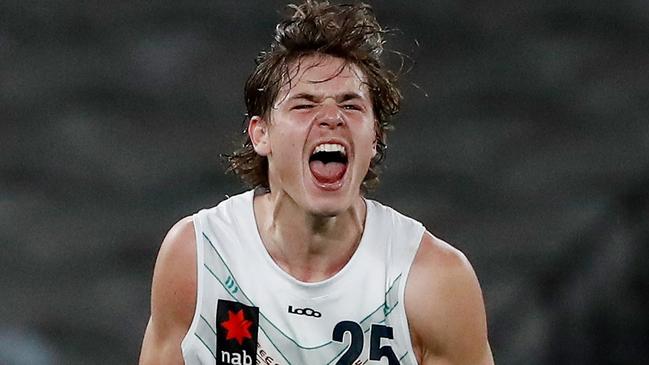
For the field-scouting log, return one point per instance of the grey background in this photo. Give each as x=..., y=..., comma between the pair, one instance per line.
x=523, y=140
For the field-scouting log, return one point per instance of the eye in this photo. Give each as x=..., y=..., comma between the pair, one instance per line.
x=352, y=107
x=302, y=106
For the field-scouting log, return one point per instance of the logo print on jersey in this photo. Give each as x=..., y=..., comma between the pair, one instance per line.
x=304, y=311
x=237, y=326
x=236, y=333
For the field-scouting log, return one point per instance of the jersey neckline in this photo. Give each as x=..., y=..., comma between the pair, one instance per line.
x=323, y=284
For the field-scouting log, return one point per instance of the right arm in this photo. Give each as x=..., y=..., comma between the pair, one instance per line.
x=173, y=297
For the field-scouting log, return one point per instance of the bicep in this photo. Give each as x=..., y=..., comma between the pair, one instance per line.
x=445, y=307
x=173, y=297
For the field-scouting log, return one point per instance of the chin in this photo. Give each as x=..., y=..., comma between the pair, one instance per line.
x=330, y=203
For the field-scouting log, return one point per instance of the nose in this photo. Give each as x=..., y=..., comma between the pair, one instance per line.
x=330, y=115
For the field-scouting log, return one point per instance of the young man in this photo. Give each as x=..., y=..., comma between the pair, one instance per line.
x=304, y=269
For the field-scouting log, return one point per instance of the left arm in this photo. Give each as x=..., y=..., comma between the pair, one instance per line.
x=445, y=308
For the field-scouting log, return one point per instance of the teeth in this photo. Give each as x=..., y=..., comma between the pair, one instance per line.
x=330, y=147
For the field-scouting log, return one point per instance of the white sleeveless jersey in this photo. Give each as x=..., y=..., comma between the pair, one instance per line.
x=355, y=317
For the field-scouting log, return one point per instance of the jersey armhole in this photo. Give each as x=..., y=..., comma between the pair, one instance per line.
x=187, y=340
x=410, y=357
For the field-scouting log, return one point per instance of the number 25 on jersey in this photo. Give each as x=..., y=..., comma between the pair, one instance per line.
x=377, y=352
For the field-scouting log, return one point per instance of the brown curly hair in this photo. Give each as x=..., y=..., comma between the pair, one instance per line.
x=347, y=31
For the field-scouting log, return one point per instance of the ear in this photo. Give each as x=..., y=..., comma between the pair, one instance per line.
x=258, y=133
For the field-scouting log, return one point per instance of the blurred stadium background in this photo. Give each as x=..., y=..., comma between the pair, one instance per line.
x=524, y=141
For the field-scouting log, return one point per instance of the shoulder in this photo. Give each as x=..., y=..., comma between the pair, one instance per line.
x=173, y=292
x=445, y=307
x=435, y=256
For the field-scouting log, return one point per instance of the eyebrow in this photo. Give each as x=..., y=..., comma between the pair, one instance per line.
x=315, y=98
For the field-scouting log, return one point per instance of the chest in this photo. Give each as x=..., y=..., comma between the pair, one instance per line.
x=363, y=326
x=357, y=318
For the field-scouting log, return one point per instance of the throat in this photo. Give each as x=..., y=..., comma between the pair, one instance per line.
x=308, y=248
x=312, y=262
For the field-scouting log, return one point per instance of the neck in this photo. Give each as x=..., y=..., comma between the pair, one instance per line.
x=309, y=247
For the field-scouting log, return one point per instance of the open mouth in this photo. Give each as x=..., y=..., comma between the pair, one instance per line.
x=328, y=163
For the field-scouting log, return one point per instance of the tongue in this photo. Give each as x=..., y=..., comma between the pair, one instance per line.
x=327, y=172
